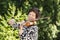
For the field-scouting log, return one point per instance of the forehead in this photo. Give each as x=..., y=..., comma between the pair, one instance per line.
x=33, y=13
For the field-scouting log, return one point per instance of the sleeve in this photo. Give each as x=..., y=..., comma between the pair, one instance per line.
x=34, y=32
x=16, y=25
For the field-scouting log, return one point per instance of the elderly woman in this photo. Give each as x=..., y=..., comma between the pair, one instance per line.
x=28, y=32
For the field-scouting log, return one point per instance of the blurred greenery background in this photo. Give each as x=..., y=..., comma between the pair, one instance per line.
x=49, y=25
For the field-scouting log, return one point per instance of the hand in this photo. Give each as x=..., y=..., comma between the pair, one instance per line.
x=11, y=22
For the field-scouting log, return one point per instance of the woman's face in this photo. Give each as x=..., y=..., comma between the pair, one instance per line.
x=31, y=16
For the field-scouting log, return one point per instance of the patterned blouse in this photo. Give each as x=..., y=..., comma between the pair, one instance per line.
x=29, y=33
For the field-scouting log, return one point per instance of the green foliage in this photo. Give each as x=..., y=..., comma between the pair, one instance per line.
x=49, y=23
x=6, y=31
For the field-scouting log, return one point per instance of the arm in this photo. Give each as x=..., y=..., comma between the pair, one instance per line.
x=15, y=24
x=34, y=32
x=23, y=32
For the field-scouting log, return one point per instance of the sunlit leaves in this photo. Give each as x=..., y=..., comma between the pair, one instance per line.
x=6, y=31
x=49, y=24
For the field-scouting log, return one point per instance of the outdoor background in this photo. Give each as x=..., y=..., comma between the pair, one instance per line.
x=49, y=22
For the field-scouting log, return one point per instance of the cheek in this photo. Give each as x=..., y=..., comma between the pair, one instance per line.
x=33, y=17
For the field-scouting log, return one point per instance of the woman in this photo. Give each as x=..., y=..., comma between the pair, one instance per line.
x=28, y=32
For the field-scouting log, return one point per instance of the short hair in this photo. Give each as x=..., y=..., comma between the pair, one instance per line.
x=36, y=10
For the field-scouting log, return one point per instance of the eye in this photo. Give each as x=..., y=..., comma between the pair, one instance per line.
x=29, y=14
x=33, y=15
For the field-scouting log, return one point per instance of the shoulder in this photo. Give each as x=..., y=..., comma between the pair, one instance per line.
x=34, y=27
